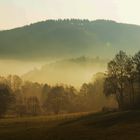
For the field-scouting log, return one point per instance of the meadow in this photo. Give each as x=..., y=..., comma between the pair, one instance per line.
x=85, y=126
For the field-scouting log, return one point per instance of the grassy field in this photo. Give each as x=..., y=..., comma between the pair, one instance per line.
x=98, y=126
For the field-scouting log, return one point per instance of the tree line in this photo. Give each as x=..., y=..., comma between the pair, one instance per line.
x=22, y=98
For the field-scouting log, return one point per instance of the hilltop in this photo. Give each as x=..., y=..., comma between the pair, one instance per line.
x=55, y=39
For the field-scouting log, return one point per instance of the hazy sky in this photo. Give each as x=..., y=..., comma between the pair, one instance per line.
x=15, y=13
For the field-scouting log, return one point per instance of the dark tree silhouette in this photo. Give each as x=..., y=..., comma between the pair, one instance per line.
x=6, y=98
x=123, y=80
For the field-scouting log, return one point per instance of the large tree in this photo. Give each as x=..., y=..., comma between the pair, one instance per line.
x=116, y=77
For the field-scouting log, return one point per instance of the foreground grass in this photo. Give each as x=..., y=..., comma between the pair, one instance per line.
x=99, y=126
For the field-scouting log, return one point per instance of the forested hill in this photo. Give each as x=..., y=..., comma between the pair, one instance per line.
x=69, y=38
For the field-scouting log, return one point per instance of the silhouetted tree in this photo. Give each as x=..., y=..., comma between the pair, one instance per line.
x=55, y=100
x=136, y=60
x=123, y=80
x=131, y=76
x=116, y=77
x=6, y=98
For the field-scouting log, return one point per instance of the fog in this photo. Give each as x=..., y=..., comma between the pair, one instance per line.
x=17, y=67
x=75, y=71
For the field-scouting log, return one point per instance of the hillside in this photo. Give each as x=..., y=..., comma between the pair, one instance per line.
x=73, y=71
x=53, y=39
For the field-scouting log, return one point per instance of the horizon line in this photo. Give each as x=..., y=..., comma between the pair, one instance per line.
x=63, y=19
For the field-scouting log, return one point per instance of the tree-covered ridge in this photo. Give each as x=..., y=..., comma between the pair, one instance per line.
x=73, y=71
x=65, y=38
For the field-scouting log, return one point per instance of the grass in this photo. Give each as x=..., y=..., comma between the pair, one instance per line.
x=98, y=126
